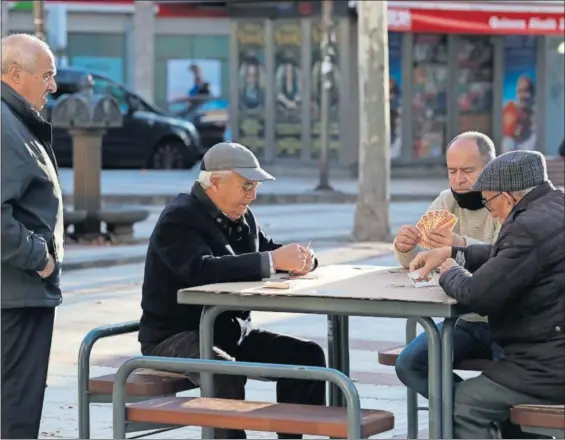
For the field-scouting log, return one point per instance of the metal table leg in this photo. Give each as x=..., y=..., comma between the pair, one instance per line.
x=334, y=351
x=447, y=377
x=411, y=395
x=434, y=377
x=207, y=320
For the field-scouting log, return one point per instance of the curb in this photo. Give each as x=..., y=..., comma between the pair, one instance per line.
x=334, y=197
x=103, y=262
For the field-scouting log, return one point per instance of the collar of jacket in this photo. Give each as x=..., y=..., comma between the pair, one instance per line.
x=28, y=115
x=539, y=191
x=217, y=215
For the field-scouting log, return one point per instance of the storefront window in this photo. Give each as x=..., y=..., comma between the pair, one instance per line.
x=474, y=83
x=429, y=95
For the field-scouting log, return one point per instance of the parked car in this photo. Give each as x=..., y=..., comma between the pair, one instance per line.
x=209, y=116
x=148, y=138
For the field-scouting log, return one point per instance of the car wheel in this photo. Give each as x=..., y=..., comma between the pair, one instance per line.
x=169, y=155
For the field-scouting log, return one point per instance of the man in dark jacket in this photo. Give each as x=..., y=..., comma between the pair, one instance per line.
x=32, y=233
x=210, y=236
x=519, y=283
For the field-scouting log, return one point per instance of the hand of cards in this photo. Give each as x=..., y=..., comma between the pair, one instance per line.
x=431, y=220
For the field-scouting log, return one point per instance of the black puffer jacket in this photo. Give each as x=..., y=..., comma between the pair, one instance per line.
x=519, y=282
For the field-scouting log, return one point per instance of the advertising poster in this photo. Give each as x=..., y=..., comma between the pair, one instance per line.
x=519, y=93
x=316, y=85
x=395, y=85
x=288, y=127
x=429, y=95
x=474, y=83
x=191, y=77
x=251, y=81
x=112, y=67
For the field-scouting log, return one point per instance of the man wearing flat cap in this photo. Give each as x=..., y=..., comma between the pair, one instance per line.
x=208, y=236
x=519, y=283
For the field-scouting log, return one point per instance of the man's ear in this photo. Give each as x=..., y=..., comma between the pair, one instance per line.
x=15, y=73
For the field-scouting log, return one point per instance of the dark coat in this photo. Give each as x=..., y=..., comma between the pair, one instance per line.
x=32, y=207
x=194, y=244
x=519, y=282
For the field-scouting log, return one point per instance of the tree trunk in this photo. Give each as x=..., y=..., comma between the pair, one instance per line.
x=372, y=214
x=144, y=49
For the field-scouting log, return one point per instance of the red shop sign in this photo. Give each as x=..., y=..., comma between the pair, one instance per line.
x=475, y=22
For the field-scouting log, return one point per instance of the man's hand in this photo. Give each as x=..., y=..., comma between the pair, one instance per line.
x=49, y=268
x=407, y=238
x=447, y=264
x=425, y=262
x=309, y=262
x=290, y=258
x=444, y=237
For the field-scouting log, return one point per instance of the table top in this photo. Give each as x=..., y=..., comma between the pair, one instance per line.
x=347, y=282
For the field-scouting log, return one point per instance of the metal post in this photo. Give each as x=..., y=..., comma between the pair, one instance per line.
x=326, y=78
x=333, y=355
x=411, y=395
x=434, y=377
x=447, y=376
x=38, y=18
x=343, y=349
x=249, y=369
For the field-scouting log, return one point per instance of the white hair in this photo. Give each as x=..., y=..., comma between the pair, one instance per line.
x=522, y=193
x=205, y=177
x=23, y=50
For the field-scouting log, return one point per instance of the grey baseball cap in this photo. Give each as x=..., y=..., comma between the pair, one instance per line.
x=513, y=171
x=229, y=156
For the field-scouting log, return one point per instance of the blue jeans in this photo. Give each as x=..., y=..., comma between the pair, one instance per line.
x=471, y=340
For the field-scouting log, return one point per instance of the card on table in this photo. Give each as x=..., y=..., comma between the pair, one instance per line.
x=427, y=281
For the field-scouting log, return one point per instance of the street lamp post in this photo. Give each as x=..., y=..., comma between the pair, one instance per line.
x=326, y=77
x=39, y=19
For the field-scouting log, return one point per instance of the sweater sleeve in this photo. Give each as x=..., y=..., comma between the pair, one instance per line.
x=404, y=258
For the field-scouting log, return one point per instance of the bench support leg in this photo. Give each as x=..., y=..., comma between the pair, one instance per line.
x=447, y=376
x=411, y=395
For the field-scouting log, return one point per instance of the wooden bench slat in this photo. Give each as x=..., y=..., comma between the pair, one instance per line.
x=144, y=383
x=539, y=416
x=389, y=357
x=256, y=416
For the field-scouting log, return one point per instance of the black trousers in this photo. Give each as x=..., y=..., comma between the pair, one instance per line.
x=257, y=346
x=26, y=344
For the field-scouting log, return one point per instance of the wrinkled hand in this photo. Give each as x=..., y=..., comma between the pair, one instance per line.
x=290, y=258
x=425, y=262
x=309, y=262
x=444, y=237
x=49, y=268
x=407, y=238
x=447, y=264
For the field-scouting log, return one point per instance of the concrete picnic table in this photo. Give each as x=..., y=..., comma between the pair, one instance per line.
x=343, y=291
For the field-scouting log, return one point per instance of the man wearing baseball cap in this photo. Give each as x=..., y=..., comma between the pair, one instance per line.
x=210, y=236
x=519, y=283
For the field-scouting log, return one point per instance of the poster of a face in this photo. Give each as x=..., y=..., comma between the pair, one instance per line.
x=288, y=127
x=316, y=85
x=519, y=93
x=395, y=85
x=193, y=78
x=251, y=80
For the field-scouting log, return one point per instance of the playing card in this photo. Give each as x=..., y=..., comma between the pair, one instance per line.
x=427, y=281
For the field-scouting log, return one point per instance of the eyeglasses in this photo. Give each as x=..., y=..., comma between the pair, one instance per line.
x=250, y=186
x=487, y=201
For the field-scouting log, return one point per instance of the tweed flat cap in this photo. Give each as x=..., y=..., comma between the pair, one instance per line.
x=513, y=171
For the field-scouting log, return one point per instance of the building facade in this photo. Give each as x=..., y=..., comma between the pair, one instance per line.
x=496, y=66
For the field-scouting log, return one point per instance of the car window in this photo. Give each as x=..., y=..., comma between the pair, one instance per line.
x=105, y=87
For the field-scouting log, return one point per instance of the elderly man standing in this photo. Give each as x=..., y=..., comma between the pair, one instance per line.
x=32, y=233
x=467, y=154
x=518, y=282
x=210, y=236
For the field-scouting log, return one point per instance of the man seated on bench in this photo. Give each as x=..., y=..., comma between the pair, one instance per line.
x=466, y=155
x=210, y=236
x=518, y=283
